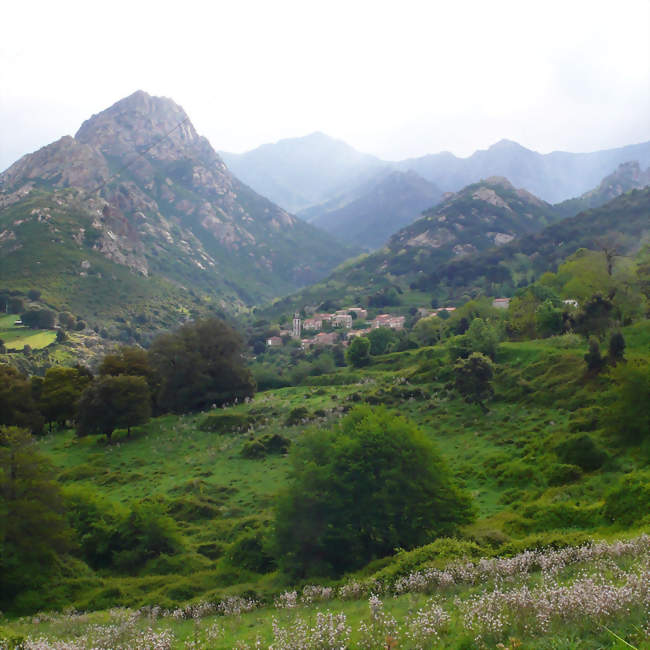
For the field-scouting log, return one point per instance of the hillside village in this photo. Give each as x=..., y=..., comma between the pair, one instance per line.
x=342, y=325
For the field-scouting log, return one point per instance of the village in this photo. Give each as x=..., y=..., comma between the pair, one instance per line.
x=342, y=325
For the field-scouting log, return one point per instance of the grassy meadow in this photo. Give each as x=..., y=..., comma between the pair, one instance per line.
x=510, y=459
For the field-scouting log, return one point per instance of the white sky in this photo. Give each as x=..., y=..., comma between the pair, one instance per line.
x=397, y=79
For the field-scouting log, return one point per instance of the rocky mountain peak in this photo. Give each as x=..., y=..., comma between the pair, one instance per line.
x=500, y=181
x=137, y=122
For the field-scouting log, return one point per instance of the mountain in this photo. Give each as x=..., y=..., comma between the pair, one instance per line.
x=623, y=224
x=297, y=173
x=301, y=173
x=554, y=177
x=368, y=216
x=137, y=189
x=477, y=218
x=627, y=176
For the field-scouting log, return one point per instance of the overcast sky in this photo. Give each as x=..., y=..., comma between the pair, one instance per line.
x=396, y=79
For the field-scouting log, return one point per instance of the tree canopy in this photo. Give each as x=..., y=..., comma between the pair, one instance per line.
x=199, y=365
x=360, y=490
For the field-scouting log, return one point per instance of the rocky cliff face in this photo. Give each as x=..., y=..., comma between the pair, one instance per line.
x=148, y=192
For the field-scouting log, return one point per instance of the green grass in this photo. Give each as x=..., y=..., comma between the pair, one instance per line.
x=18, y=336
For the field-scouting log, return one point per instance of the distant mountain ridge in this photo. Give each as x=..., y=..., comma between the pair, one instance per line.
x=368, y=216
x=297, y=173
x=332, y=168
x=139, y=187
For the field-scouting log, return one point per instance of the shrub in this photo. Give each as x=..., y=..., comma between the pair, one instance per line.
x=266, y=444
x=219, y=422
x=629, y=502
x=581, y=450
x=296, y=415
x=561, y=474
x=249, y=552
x=370, y=484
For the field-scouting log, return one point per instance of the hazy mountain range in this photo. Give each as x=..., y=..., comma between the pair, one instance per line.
x=325, y=181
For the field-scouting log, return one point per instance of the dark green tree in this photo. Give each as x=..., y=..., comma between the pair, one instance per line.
x=60, y=393
x=380, y=340
x=358, y=354
x=627, y=415
x=16, y=304
x=39, y=318
x=129, y=360
x=199, y=365
x=595, y=317
x=33, y=529
x=113, y=402
x=360, y=490
x=616, y=348
x=473, y=379
x=17, y=404
x=593, y=358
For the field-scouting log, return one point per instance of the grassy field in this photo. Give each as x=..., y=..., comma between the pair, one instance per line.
x=507, y=459
x=18, y=336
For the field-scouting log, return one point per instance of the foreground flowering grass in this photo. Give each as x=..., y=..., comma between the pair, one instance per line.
x=592, y=596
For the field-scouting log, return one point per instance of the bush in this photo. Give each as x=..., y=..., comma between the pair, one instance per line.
x=266, y=444
x=219, y=422
x=296, y=415
x=249, y=552
x=628, y=504
x=581, y=450
x=356, y=492
x=561, y=474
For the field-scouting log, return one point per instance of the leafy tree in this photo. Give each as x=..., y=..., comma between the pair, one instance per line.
x=593, y=358
x=39, y=318
x=616, y=348
x=16, y=304
x=17, y=404
x=66, y=319
x=483, y=338
x=113, y=402
x=61, y=336
x=595, y=316
x=430, y=330
x=549, y=319
x=473, y=378
x=60, y=393
x=380, y=339
x=131, y=361
x=628, y=416
x=34, y=294
x=199, y=365
x=358, y=354
x=521, y=316
x=33, y=529
x=358, y=491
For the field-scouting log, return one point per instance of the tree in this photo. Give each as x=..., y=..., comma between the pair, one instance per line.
x=616, y=348
x=593, y=358
x=32, y=526
x=16, y=304
x=380, y=339
x=199, y=365
x=17, y=404
x=483, y=338
x=549, y=319
x=39, y=318
x=34, y=294
x=627, y=415
x=130, y=361
x=358, y=354
x=358, y=491
x=595, y=316
x=430, y=330
x=60, y=393
x=113, y=402
x=473, y=378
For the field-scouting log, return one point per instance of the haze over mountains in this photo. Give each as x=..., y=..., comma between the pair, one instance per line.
x=139, y=188
x=330, y=184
